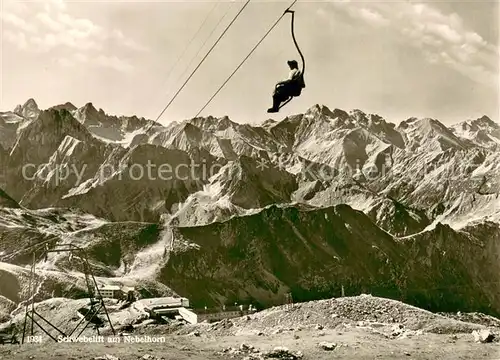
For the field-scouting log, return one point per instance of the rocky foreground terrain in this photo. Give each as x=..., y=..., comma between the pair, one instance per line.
x=222, y=212
x=362, y=327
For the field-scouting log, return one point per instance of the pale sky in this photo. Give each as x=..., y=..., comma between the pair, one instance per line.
x=395, y=58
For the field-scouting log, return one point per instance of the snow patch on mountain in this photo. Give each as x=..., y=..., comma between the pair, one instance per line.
x=11, y=125
x=109, y=128
x=322, y=157
x=148, y=262
x=482, y=131
x=208, y=205
x=429, y=133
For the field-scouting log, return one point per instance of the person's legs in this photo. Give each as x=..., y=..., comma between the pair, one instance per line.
x=276, y=103
x=279, y=95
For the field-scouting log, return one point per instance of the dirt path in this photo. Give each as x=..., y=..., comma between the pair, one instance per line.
x=355, y=344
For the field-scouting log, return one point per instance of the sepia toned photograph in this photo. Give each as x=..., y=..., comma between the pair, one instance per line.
x=249, y=179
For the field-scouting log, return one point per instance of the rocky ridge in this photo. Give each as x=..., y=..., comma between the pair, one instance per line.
x=338, y=198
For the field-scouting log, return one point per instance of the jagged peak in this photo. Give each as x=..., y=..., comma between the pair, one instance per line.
x=358, y=112
x=338, y=210
x=429, y=124
x=368, y=119
x=28, y=109
x=320, y=109
x=52, y=126
x=486, y=118
x=133, y=117
x=89, y=107
x=414, y=121
x=321, y=114
x=70, y=105
x=268, y=123
x=481, y=122
x=63, y=118
x=432, y=129
x=30, y=103
x=52, y=113
x=67, y=105
x=406, y=123
x=190, y=127
x=353, y=115
x=336, y=113
x=435, y=123
x=89, y=115
x=289, y=124
x=360, y=116
x=187, y=130
x=226, y=121
x=315, y=107
x=376, y=118
x=410, y=119
x=213, y=123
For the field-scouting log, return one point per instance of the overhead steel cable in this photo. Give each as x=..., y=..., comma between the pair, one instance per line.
x=203, y=45
x=199, y=50
x=202, y=60
x=245, y=59
x=191, y=41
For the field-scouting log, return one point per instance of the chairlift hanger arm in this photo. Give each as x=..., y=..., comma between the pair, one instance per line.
x=298, y=49
x=295, y=40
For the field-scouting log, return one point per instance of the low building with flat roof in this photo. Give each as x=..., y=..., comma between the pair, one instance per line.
x=163, y=303
x=110, y=291
x=217, y=314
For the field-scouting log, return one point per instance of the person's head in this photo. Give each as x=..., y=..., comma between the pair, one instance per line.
x=293, y=64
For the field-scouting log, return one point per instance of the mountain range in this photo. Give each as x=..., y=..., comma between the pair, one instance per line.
x=219, y=211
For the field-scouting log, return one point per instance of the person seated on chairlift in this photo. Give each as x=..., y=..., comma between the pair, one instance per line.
x=291, y=86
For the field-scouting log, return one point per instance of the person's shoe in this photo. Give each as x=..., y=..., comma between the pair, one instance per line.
x=272, y=110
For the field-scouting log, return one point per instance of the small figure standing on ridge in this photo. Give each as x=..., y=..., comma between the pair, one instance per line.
x=290, y=87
